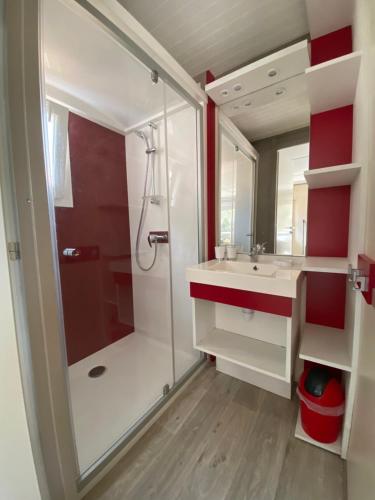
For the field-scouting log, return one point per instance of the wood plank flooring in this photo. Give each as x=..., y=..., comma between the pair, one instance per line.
x=223, y=439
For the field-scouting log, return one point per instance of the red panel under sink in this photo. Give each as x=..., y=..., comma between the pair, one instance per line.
x=325, y=299
x=334, y=44
x=273, y=304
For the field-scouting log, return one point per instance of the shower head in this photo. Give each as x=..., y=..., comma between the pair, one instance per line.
x=143, y=136
x=140, y=134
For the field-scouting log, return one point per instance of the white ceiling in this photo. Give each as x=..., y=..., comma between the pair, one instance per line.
x=220, y=35
x=278, y=115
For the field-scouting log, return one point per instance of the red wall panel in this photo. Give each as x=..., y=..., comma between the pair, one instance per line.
x=325, y=299
x=328, y=222
x=332, y=45
x=97, y=302
x=331, y=134
x=367, y=266
x=273, y=304
x=211, y=168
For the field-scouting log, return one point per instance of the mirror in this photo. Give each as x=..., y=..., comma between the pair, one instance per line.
x=263, y=194
x=264, y=117
x=237, y=187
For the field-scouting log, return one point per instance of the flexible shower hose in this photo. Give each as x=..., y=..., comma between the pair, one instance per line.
x=142, y=219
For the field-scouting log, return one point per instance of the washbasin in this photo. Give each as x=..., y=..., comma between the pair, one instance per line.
x=253, y=268
x=262, y=277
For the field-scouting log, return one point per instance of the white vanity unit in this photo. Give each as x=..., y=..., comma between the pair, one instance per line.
x=247, y=314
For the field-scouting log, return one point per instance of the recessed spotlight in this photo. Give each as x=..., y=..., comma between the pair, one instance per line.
x=237, y=87
x=236, y=107
x=247, y=103
x=272, y=72
x=224, y=92
x=280, y=91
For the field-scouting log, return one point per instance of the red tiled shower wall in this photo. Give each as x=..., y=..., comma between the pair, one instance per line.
x=211, y=167
x=334, y=44
x=331, y=135
x=96, y=286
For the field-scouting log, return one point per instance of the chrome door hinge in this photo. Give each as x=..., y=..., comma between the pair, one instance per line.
x=14, y=250
x=154, y=76
x=357, y=279
x=166, y=389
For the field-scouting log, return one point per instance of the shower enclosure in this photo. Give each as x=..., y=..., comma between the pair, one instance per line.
x=123, y=180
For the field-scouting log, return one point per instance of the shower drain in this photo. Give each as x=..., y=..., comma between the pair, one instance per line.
x=97, y=371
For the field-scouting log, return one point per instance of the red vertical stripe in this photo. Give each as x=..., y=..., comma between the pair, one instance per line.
x=210, y=177
x=325, y=299
x=331, y=134
x=328, y=222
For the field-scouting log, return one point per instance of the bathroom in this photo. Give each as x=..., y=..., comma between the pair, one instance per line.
x=187, y=233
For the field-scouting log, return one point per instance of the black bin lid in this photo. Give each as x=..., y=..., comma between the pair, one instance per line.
x=317, y=380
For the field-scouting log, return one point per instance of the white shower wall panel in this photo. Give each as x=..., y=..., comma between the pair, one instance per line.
x=151, y=289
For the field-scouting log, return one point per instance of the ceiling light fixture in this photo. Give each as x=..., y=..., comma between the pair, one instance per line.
x=237, y=87
x=236, y=107
x=280, y=91
x=247, y=103
x=224, y=92
x=272, y=72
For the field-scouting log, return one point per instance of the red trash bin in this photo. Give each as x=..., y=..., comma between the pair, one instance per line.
x=322, y=403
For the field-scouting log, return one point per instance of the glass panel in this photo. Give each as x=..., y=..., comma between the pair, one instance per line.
x=291, y=202
x=237, y=173
x=244, y=201
x=183, y=210
x=108, y=184
x=227, y=183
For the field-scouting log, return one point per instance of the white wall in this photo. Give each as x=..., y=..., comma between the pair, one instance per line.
x=361, y=454
x=18, y=479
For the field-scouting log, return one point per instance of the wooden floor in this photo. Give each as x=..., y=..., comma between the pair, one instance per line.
x=224, y=439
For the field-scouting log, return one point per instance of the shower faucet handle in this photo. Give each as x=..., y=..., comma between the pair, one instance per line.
x=157, y=237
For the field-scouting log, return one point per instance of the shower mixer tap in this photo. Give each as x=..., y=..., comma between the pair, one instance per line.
x=157, y=237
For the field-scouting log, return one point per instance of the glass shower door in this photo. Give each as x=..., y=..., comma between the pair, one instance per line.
x=182, y=163
x=109, y=198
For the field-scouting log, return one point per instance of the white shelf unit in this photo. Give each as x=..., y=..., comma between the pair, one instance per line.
x=336, y=265
x=340, y=175
x=326, y=346
x=299, y=433
x=262, y=357
x=284, y=64
x=259, y=348
x=332, y=84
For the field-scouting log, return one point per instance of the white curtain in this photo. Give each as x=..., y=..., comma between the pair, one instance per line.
x=59, y=157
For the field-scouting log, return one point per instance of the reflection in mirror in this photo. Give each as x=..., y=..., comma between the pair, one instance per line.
x=291, y=200
x=281, y=193
x=237, y=185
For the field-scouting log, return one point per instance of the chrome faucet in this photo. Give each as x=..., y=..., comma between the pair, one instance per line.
x=256, y=250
